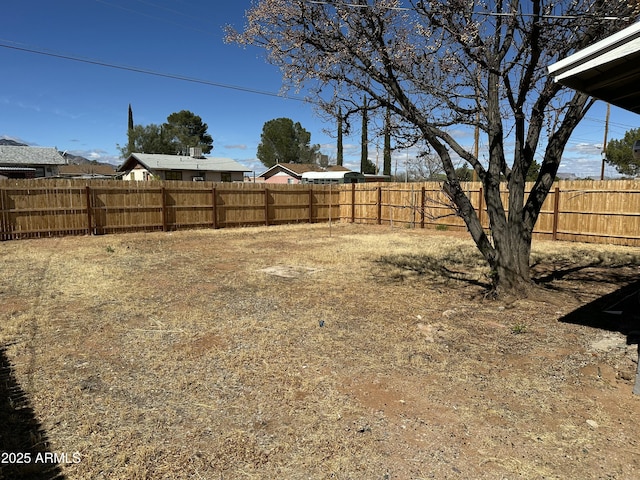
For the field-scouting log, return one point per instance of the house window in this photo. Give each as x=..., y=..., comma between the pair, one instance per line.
x=225, y=176
x=173, y=175
x=40, y=172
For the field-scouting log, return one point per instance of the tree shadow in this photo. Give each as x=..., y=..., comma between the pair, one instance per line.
x=546, y=271
x=400, y=267
x=549, y=273
x=24, y=447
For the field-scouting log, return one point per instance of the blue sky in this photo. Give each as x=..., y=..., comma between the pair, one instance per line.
x=82, y=108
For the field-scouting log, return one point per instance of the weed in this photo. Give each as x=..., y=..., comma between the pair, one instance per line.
x=110, y=249
x=442, y=228
x=519, y=328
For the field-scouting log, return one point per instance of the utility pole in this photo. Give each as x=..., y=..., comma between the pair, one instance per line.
x=476, y=135
x=604, y=144
x=476, y=149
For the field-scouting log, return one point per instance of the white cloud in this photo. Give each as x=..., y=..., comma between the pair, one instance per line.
x=584, y=148
x=236, y=147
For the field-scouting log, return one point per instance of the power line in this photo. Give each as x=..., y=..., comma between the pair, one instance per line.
x=613, y=124
x=488, y=14
x=40, y=51
x=171, y=10
x=153, y=17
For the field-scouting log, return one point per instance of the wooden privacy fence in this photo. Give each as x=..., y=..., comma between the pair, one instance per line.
x=578, y=211
x=71, y=207
x=587, y=211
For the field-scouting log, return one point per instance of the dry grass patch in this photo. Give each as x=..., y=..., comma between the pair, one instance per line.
x=375, y=355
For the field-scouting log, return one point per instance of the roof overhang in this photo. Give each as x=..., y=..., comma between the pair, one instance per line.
x=17, y=169
x=608, y=70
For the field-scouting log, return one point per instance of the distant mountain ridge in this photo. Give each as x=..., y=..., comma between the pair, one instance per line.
x=71, y=158
x=11, y=143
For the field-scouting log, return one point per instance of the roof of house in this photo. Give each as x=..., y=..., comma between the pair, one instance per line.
x=87, y=169
x=152, y=161
x=21, y=155
x=337, y=168
x=332, y=174
x=297, y=169
x=608, y=69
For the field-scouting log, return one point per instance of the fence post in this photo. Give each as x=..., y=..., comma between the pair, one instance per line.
x=353, y=203
x=88, y=197
x=266, y=206
x=423, y=201
x=214, y=208
x=379, y=205
x=480, y=205
x=4, y=223
x=310, y=203
x=556, y=208
x=164, y=210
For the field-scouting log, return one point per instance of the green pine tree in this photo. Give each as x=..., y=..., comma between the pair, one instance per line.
x=366, y=166
x=619, y=153
x=386, y=170
x=340, y=153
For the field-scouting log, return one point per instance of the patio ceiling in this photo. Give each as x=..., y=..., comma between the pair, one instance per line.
x=608, y=70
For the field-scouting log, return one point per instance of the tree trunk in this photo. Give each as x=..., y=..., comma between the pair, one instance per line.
x=510, y=273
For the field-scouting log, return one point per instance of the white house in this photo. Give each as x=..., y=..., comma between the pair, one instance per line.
x=147, y=166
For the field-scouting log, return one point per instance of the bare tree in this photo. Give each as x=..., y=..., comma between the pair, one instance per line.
x=424, y=166
x=442, y=66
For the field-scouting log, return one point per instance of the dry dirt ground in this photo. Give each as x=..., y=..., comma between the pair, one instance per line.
x=308, y=352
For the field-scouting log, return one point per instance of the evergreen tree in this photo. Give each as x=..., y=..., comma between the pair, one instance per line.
x=340, y=153
x=148, y=139
x=283, y=141
x=386, y=170
x=364, y=142
x=130, y=129
x=366, y=166
x=534, y=171
x=181, y=131
x=619, y=153
x=186, y=130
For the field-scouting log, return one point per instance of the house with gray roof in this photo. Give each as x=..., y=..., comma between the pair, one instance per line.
x=29, y=162
x=195, y=167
